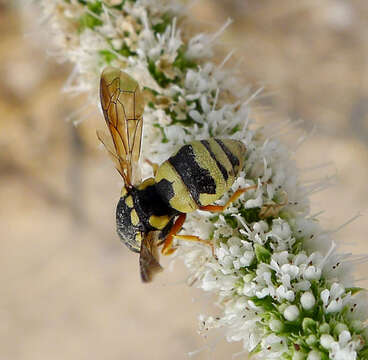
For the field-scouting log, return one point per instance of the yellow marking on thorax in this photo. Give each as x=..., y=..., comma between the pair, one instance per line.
x=129, y=201
x=182, y=199
x=124, y=191
x=146, y=183
x=159, y=222
x=134, y=217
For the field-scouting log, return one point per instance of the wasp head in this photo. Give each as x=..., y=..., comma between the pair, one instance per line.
x=128, y=224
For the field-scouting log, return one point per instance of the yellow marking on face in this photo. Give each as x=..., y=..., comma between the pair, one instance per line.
x=182, y=199
x=129, y=201
x=138, y=237
x=159, y=222
x=124, y=191
x=134, y=217
x=146, y=183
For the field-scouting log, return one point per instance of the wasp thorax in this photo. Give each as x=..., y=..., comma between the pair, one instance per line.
x=128, y=224
x=141, y=210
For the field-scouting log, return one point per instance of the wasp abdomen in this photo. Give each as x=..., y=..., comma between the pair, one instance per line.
x=199, y=173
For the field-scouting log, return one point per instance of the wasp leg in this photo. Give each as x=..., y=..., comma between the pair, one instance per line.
x=235, y=196
x=153, y=165
x=272, y=209
x=167, y=248
x=197, y=239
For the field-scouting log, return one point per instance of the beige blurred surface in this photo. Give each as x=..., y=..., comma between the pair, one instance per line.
x=69, y=289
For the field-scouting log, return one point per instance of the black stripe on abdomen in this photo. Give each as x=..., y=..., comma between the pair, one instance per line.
x=224, y=173
x=196, y=179
x=232, y=158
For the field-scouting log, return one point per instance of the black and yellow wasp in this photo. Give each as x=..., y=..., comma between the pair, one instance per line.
x=152, y=212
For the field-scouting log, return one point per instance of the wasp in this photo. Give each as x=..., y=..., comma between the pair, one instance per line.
x=151, y=213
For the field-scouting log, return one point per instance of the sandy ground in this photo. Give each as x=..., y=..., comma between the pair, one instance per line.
x=69, y=290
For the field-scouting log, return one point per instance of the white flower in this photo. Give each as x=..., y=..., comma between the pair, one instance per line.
x=333, y=299
x=346, y=348
x=273, y=346
x=272, y=257
x=312, y=273
x=283, y=293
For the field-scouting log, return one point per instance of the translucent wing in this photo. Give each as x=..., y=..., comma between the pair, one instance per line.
x=109, y=145
x=122, y=104
x=148, y=259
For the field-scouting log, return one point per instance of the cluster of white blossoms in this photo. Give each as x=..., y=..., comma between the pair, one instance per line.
x=283, y=289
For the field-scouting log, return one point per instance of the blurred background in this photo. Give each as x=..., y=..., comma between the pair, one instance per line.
x=69, y=290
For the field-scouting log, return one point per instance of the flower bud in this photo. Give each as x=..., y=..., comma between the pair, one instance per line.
x=307, y=300
x=291, y=313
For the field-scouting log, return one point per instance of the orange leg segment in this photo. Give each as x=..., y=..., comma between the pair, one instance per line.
x=168, y=249
x=235, y=196
x=273, y=209
x=198, y=239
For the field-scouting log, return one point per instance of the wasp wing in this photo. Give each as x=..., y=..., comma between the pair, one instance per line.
x=109, y=146
x=148, y=259
x=122, y=104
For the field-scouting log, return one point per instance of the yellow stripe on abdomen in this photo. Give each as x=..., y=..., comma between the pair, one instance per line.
x=171, y=187
x=199, y=173
x=203, y=158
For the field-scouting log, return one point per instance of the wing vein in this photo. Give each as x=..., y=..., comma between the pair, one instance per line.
x=122, y=103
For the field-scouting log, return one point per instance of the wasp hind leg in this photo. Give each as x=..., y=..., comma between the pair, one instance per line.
x=266, y=211
x=235, y=196
x=273, y=209
x=168, y=248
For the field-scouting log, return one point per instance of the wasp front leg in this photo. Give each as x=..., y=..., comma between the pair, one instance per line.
x=168, y=249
